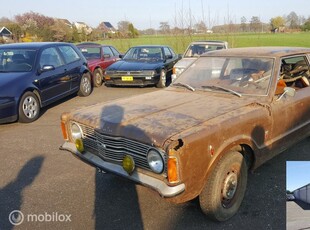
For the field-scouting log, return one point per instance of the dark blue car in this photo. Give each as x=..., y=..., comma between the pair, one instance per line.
x=143, y=65
x=33, y=75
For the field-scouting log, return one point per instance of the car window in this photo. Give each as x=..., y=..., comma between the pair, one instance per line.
x=69, y=53
x=144, y=53
x=17, y=60
x=50, y=56
x=115, y=52
x=167, y=52
x=90, y=52
x=295, y=72
x=107, y=50
x=244, y=75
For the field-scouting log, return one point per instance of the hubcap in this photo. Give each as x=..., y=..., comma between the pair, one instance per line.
x=30, y=107
x=86, y=84
x=230, y=186
x=98, y=78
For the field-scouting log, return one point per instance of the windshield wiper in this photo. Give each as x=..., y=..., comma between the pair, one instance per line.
x=221, y=88
x=184, y=85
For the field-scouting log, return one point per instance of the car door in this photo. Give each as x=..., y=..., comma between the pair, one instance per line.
x=291, y=113
x=53, y=78
x=171, y=59
x=73, y=65
x=108, y=57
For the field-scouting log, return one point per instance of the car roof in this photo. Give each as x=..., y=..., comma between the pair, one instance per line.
x=210, y=42
x=259, y=51
x=143, y=46
x=90, y=44
x=32, y=45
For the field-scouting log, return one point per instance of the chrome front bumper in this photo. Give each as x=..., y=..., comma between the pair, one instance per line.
x=161, y=187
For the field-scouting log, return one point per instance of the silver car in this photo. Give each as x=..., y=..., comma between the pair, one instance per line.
x=193, y=51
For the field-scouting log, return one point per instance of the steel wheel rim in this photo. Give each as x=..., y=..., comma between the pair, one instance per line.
x=30, y=107
x=98, y=78
x=163, y=77
x=230, y=186
x=86, y=85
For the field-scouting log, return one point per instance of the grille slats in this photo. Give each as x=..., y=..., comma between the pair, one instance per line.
x=114, y=149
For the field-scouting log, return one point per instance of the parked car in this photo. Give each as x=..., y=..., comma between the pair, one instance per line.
x=34, y=75
x=193, y=51
x=99, y=57
x=143, y=65
x=290, y=197
x=229, y=112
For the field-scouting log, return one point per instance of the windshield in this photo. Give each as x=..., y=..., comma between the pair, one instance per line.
x=196, y=50
x=16, y=60
x=144, y=54
x=229, y=74
x=90, y=52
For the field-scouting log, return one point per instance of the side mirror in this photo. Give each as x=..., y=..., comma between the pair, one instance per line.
x=46, y=68
x=180, y=56
x=121, y=56
x=168, y=56
x=287, y=91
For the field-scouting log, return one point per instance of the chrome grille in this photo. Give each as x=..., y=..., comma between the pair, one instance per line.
x=114, y=149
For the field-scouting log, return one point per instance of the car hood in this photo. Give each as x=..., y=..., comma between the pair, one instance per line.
x=7, y=80
x=127, y=65
x=153, y=117
x=185, y=62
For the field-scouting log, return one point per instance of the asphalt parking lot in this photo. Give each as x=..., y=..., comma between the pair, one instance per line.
x=297, y=215
x=53, y=190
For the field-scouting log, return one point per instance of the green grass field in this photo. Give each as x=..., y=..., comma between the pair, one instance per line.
x=179, y=42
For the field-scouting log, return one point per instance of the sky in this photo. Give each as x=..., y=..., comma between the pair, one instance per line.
x=297, y=174
x=149, y=13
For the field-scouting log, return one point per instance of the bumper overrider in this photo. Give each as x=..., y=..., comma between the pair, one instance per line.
x=160, y=186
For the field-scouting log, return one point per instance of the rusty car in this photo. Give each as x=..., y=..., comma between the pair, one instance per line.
x=227, y=114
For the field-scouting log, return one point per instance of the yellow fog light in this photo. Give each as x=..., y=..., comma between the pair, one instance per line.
x=79, y=145
x=128, y=164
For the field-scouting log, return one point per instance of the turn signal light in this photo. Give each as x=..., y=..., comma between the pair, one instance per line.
x=64, y=130
x=173, y=176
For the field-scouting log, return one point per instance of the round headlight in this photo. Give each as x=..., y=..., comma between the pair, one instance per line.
x=155, y=161
x=76, y=131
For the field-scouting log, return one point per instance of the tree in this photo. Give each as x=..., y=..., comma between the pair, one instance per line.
x=277, y=22
x=16, y=31
x=292, y=20
x=132, y=31
x=164, y=27
x=200, y=27
x=36, y=25
x=306, y=25
x=255, y=24
x=123, y=28
x=243, y=24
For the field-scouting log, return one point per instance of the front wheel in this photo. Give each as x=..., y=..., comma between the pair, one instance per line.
x=162, y=79
x=224, y=191
x=98, y=76
x=29, y=108
x=85, y=85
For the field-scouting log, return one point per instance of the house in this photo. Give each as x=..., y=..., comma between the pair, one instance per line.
x=5, y=34
x=106, y=27
x=64, y=21
x=81, y=26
